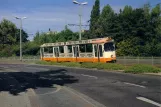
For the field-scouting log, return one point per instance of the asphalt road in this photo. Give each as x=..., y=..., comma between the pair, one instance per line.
x=72, y=87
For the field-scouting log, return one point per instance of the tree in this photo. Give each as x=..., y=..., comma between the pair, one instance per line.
x=156, y=21
x=7, y=32
x=24, y=36
x=63, y=36
x=9, y=38
x=66, y=35
x=31, y=48
x=126, y=22
x=95, y=13
x=37, y=37
x=106, y=22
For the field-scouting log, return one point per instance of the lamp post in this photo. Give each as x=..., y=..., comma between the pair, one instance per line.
x=80, y=16
x=20, y=35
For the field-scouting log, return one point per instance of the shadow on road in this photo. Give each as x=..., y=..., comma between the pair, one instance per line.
x=16, y=82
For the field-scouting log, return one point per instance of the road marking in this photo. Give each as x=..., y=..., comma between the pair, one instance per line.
x=90, y=76
x=33, y=98
x=57, y=90
x=80, y=97
x=33, y=92
x=149, y=101
x=134, y=85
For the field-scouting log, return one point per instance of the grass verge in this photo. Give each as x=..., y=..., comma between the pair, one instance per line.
x=105, y=66
x=135, y=69
x=85, y=65
x=140, y=68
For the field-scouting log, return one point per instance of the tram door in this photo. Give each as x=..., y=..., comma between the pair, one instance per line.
x=98, y=50
x=76, y=50
x=56, y=51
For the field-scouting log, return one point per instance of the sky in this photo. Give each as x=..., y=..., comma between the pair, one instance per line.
x=55, y=14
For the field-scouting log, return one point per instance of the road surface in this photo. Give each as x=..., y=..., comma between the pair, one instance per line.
x=50, y=86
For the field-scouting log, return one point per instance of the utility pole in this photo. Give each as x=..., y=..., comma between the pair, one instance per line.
x=80, y=28
x=20, y=35
x=80, y=23
x=80, y=16
x=21, y=40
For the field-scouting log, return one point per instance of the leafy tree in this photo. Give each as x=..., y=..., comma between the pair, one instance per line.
x=9, y=38
x=37, y=38
x=7, y=32
x=24, y=36
x=63, y=36
x=125, y=22
x=95, y=13
x=105, y=22
x=31, y=48
x=156, y=21
x=67, y=35
x=130, y=47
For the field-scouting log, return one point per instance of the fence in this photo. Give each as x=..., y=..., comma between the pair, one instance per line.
x=139, y=60
x=25, y=58
x=126, y=60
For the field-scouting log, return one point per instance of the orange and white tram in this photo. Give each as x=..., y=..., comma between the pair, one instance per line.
x=91, y=50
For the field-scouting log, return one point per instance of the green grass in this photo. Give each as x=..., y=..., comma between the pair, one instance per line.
x=140, y=68
x=86, y=65
x=106, y=66
x=71, y=64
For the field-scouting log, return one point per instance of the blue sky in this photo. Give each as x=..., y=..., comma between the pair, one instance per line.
x=55, y=14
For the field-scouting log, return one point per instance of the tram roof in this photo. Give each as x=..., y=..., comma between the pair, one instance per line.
x=89, y=41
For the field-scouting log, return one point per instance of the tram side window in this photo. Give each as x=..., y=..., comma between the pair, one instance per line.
x=61, y=49
x=48, y=49
x=89, y=48
x=109, y=47
x=82, y=48
x=69, y=49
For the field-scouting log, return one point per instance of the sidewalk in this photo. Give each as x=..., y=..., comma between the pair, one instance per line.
x=8, y=100
x=155, y=74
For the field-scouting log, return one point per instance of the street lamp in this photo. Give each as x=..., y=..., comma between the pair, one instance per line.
x=20, y=35
x=80, y=16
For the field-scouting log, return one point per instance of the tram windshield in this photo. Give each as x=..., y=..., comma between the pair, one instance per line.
x=109, y=47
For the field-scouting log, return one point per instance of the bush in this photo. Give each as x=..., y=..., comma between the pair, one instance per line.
x=6, y=51
x=139, y=68
x=31, y=48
